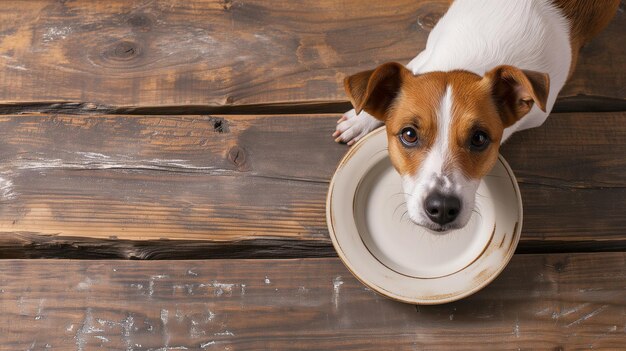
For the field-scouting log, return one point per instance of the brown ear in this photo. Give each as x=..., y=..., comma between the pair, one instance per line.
x=375, y=90
x=515, y=91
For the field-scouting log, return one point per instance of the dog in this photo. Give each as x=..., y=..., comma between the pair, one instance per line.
x=490, y=68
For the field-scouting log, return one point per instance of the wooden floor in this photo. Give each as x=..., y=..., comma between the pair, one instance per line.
x=164, y=167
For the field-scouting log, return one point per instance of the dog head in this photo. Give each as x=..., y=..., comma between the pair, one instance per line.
x=444, y=130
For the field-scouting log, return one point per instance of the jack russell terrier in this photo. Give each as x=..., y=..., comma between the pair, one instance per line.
x=490, y=68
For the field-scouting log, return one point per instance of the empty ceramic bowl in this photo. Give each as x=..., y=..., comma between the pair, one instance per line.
x=384, y=249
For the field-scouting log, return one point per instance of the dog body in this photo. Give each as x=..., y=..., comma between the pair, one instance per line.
x=490, y=68
x=477, y=36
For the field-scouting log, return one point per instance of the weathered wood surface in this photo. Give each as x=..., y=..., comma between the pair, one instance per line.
x=228, y=53
x=540, y=302
x=255, y=186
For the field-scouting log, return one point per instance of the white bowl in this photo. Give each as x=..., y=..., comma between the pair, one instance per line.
x=369, y=228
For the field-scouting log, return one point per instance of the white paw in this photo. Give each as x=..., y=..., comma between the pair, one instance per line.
x=352, y=127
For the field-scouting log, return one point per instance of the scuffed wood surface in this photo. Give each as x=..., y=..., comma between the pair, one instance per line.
x=540, y=302
x=255, y=186
x=229, y=53
x=197, y=186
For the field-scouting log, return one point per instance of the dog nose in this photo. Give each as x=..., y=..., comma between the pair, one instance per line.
x=442, y=209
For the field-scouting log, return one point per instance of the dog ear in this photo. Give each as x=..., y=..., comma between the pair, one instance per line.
x=515, y=91
x=375, y=90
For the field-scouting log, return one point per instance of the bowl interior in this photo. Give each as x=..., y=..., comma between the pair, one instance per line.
x=381, y=218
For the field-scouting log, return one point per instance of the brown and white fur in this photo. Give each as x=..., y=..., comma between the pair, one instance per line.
x=490, y=68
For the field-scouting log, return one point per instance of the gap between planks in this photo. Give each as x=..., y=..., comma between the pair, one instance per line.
x=579, y=103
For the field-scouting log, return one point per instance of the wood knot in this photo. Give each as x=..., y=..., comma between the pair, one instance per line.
x=220, y=125
x=227, y=4
x=560, y=266
x=237, y=156
x=123, y=54
x=124, y=51
x=140, y=21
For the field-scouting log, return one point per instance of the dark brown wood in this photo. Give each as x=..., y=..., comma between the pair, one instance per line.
x=540, y=302
x=75, y=183
x=125, y=55
x=255, y=186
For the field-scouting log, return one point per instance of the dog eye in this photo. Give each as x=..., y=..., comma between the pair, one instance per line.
x=408, y=136
x=479, y=141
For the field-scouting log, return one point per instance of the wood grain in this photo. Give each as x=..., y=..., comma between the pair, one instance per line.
x=540, y=302
x=228, y=53
x=255, y=186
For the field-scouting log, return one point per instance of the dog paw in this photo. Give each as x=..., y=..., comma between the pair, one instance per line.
x=352, y=127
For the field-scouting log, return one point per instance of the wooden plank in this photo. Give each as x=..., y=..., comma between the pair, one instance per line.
x=540, y=302
x=223, y=53
x=255, y=186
